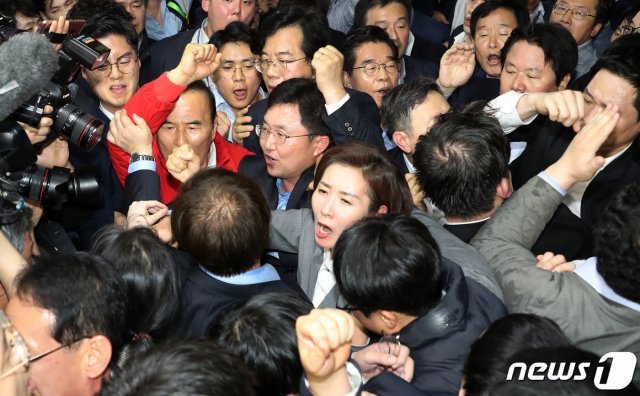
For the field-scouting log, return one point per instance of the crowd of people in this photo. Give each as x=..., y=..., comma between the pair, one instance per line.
x=336, y=197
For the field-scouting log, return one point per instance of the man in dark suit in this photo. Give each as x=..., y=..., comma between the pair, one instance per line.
x=394, y=17
x=462, y=165
x=615, y=83
x=226, y=238
x=295, y=46
x=292, y=138
x=409, y=111
x=165, y=54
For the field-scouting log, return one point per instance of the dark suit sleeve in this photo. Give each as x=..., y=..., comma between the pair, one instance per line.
x=358, y=119
x=142, y=185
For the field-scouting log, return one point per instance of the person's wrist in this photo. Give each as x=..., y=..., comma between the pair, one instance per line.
x=333, y=93
x=178, y=77
x=142, y=150
x=336, y=383
x=561, y=175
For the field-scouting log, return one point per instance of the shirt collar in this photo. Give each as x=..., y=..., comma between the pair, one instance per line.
x=200, y=36
x=106, y=112
x=409, y=48
x=263, y=274
x=589, y=273
x=410, y=166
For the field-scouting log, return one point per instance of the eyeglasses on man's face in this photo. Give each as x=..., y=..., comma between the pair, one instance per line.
x=372, y=68
x=280, y=137
x=577, y=13
x=247, y=69
x=125, y=65
x=19, y=349
x=281, y=65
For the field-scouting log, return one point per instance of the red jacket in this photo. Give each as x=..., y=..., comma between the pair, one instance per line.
x=153, y=102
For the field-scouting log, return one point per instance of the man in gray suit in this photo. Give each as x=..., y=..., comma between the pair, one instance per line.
x=598, y=304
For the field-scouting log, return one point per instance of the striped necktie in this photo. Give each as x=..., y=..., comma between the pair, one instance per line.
x=177, y=8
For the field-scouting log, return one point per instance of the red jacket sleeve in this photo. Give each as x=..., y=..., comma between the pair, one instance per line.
x=153, y=102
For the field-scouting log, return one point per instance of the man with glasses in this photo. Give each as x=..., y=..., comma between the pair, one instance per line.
x=236, y=83
x=584, y=19
x=295, y=46
x=166, y=53
x=292, y=138
x=71, y=312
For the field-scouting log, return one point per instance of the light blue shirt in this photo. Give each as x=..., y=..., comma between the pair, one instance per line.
x=170, y=25
x=283, y=196
x=263, y=274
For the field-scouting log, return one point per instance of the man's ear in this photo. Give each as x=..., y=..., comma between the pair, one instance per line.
x=97, y=355
x=346, y=79
x=505, y=188
x=205, y=5
x=389, y=319
x=320, y=143
x=382, y=210
x=401, y=139
x=83, y=71
x=595, y=29
x=564, y=83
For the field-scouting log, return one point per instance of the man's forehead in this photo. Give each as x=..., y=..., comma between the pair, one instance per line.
x=389, y=12
x=578, y=3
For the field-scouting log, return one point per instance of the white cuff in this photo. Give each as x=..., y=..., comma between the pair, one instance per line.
x=504, y=108
x=332, y=108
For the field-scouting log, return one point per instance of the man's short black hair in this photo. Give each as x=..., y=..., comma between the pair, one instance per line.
x=622, y=58
x=516, y=7
x=262, y=332
x=237, y=32
x=221, y=219
x=461, y=161
x=361, y=36
x=557, y=44
x=314, y=27
x=183, y=368
x=106, y=24
x=388, y=263
x=87, y=9
x=400, y=101
x=305, y=93
x=200, y=86
x=616, y=239
x=28, y=8
x=603, y=11
x=486, y=363
x=85, y=294
x=321, y=7
x=364, y=6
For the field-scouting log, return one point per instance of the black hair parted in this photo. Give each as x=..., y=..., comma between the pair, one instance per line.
x=305, y=93
x=517, y=7
x=398, y=103
x=461, y=161
x=616, y=237
x=106, y=24
x=388, y=263
x=237, y=32
x=314, y=27
x=557, y=44
x=361, y=36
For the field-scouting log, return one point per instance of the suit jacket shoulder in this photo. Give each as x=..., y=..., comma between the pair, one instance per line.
x=165, y=55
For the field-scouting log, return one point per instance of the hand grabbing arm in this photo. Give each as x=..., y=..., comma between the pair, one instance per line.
x=132, y=136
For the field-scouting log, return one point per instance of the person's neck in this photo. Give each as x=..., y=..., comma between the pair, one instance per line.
x=289, y=184
x=403, y=320
x=497, y=201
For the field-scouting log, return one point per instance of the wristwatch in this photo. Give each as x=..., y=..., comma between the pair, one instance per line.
x=141, y=157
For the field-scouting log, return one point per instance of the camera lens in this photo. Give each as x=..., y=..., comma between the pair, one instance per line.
x=53, y=187
x=80, y=128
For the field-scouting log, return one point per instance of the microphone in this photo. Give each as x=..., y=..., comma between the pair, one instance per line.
x=28, y=61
